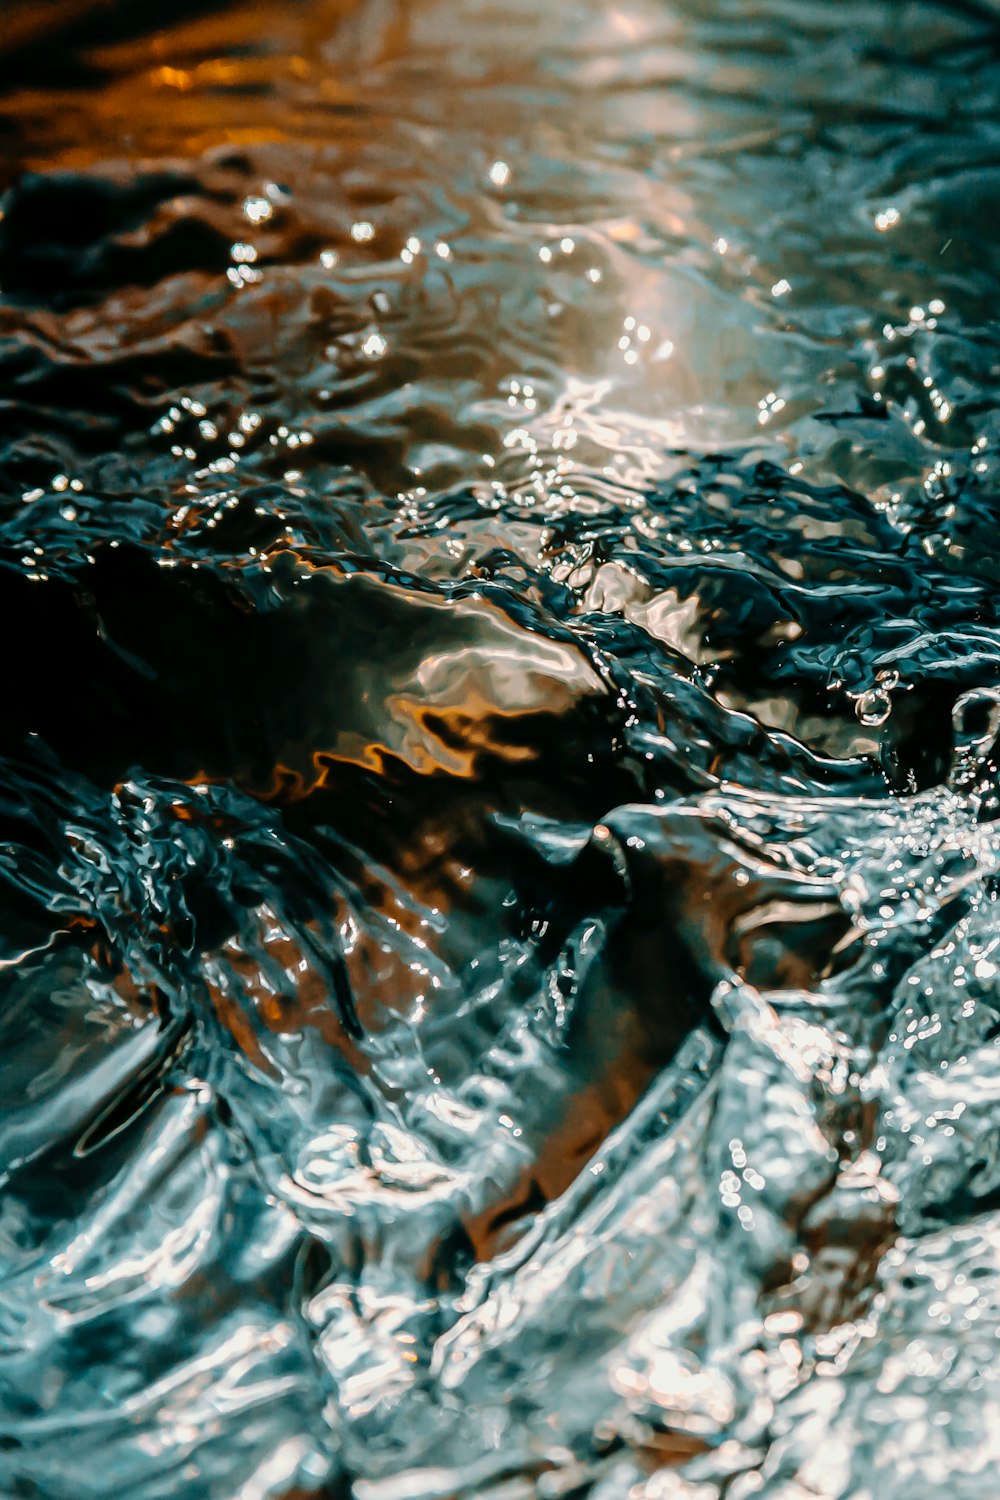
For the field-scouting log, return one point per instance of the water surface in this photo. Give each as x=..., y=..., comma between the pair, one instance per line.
x=498, y=522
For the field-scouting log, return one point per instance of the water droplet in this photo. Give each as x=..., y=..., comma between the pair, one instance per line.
x=873, y=707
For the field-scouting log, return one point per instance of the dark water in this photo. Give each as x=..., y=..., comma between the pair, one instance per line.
x=499, y=535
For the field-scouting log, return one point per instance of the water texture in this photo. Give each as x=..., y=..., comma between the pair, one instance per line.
x=498, y=860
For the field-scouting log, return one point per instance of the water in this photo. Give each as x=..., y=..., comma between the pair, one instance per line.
x=501, y=675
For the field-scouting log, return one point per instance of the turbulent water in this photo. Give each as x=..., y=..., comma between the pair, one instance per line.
x=500, y=947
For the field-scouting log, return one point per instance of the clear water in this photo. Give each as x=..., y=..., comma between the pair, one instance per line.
x=498, y=870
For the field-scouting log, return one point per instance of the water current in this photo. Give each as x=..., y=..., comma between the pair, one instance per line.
x=498, y=864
